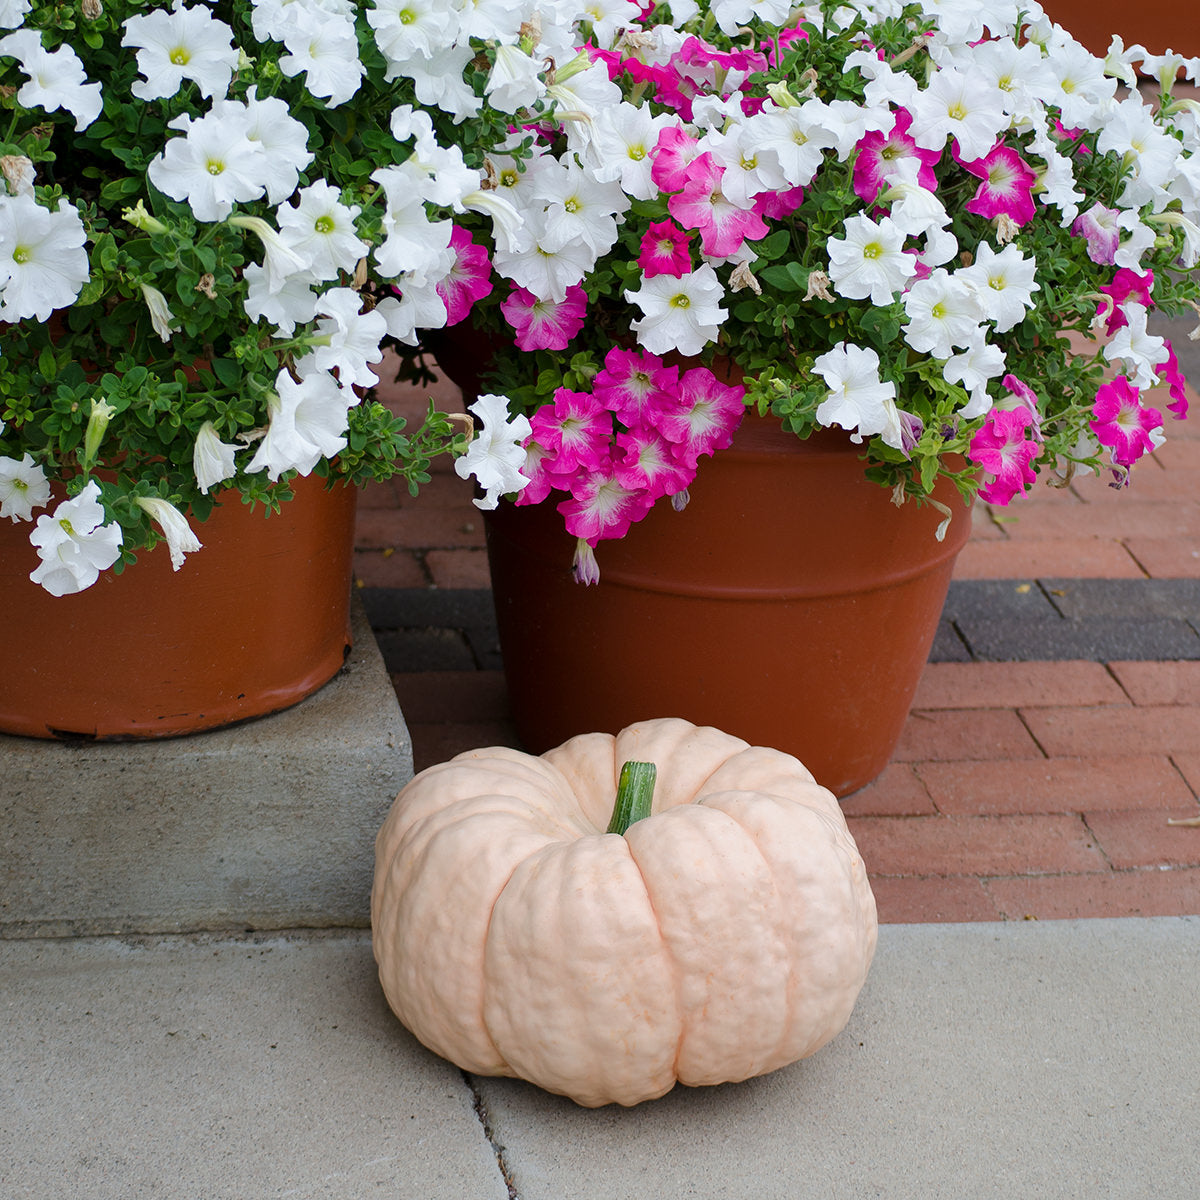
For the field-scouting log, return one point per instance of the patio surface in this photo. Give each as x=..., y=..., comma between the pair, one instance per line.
x=1055, y=732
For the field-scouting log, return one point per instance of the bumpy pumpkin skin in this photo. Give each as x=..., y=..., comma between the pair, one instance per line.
x=724, y=936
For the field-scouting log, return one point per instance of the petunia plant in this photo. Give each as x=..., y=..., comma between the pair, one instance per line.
x=938, y=226
x=204, y=211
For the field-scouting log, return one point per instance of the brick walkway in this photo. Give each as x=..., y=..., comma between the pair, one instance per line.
x=1020, y=789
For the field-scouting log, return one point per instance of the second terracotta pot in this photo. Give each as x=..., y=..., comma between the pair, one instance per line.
x=790, y=603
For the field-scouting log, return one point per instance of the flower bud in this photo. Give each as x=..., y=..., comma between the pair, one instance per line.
x=140, y=218
x=101, y=414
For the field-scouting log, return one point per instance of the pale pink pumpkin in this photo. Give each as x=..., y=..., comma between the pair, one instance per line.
x=723, y=936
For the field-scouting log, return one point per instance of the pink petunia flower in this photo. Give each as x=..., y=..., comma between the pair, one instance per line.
x=636, y=386
x=1171, y=375
x=665, y=250
x=1127, y=283
x=469, y=279
x=704, y=416
x=1001, y=448
x=575, y=430
x=673, y=153
x=545, y=324
x=1007, y=187
x=703, y=206
x=878, y=154
x=1099, y=226
x=1122, y=423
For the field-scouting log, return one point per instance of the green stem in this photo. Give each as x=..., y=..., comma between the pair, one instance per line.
x=634, y=793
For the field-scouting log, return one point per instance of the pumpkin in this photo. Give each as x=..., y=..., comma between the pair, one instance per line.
x=724, y=935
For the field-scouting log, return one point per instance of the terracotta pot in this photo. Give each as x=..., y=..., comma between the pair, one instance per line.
x=253, y=623
x=791, y=603
x=1159, y=25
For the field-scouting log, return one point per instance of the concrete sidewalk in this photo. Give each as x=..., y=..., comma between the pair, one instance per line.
x=1051, y=1059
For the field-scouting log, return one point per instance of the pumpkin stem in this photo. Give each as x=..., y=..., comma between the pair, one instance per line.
x=635, y=790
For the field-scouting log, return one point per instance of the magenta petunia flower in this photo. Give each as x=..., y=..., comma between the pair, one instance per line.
x=704, y=416
x=1127, y=283
x=1001, y=448
x=1171, y=375
x=645, y=462
x=601, y=507
x=1007, y=187
x=1028, y=397
x=545, y=324
x=723, y=226
x=1122, y=423
x=635, y=386
x=575, y=430
x=665, y=250
x=775, y=206
x=878, y=154
x=783, y=42
x=469, y=279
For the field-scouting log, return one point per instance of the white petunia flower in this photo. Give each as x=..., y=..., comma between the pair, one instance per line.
x=43, y=263
x=405, y=28
x=858, y=400
x=55, y=78
x=347, y=339
x=798, y=137
x=281, y=140
x=75, y=544
x=1136, y=350
x=419, y=306
x=23, y=487
x=183, y=43
x=960, y=105
x=308, y=423
x=944, y=314
x=544, y=272
x=321, y=228
x=682, y=314
x=291, y=304
x=412, y=242
x=1080, y=88
x=1004, y=284
x=978, y=363
x=180, y=538
x=515, y=81
x=869, y=261
x=620, y=150
x=12, y=13
x=438, y=79
x=496, y=453
x=732, y=13
x=495, y=20
x=579, y=209
x=211, y=168
x=324, y=47
x=212, y=459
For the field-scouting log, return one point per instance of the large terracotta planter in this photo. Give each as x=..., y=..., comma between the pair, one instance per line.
x=791, y=604
x=1159, y=25
x=253, y=623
